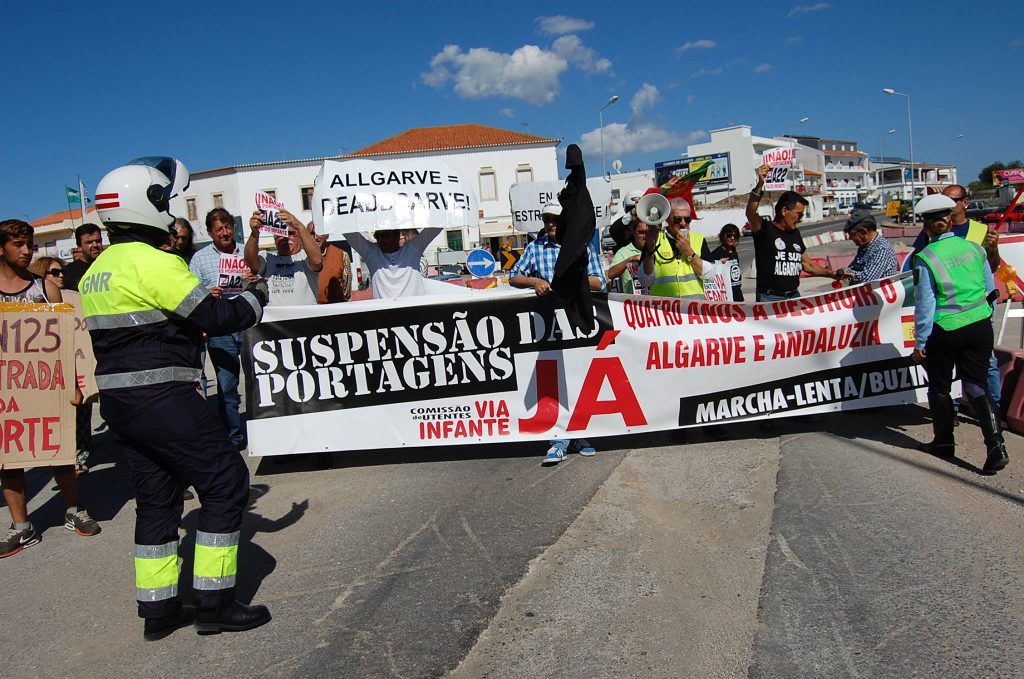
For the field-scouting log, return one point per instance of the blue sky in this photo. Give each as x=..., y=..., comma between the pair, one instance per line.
x=90, y=85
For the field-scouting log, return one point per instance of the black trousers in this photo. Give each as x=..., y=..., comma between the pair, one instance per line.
x=968, y=349
x=176, y=443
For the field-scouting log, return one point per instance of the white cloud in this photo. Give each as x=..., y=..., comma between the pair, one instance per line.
x=507, y=113
x=717, y=70
x=703, y=44
x=572, y=49
x=645, y=97
x=1016, y=43
x=792, y=40
x=557, y=25
x=804, y=9
x=762, y=68
x=690, y=99
x=620, y=139
x=530, y=73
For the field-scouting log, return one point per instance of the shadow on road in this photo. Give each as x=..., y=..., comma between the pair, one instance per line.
x=255, y=563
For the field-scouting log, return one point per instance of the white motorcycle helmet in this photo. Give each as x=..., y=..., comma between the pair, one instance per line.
x=140, y=193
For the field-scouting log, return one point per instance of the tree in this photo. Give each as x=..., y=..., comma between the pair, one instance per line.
x=985, y=176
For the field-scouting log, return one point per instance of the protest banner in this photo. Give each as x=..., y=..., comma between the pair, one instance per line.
x=780, y=160
x=231, y=270
x=508, y=366
x=529, y=198
x=366, y=195
x=37, y=383
x=717, y=278
x=270, y=206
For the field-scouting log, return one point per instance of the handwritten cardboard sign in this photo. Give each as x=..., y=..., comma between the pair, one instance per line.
x=37, y=383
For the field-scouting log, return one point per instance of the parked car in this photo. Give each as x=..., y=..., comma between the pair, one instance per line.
x=607, y=242
x=1016, y=216
x=977, y=209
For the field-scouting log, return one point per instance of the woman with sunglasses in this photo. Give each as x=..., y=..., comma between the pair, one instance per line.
x=728, y=237
x=50, y=269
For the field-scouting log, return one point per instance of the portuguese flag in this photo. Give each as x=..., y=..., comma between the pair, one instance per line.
x=682, y=186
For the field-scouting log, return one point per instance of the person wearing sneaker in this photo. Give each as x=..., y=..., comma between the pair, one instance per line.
x=535, y=269
x=18, y=284
x=954, y=291
x=146, y=313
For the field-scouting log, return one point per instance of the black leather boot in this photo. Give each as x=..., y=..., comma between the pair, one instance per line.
x=158, y=628
x=943, y=444
x=991, y=427
x=232, y=617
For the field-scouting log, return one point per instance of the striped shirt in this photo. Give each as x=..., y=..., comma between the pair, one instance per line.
x=205, y=264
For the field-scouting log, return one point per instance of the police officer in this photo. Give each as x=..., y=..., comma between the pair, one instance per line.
x=951, y=318
x=146, y=313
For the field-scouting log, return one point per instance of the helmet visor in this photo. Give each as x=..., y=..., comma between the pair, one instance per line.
x=165, y=164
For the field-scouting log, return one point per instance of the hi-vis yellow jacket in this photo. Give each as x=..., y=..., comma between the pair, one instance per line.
x=146, y=313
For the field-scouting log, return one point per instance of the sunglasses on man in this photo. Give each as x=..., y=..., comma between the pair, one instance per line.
x=680, y=220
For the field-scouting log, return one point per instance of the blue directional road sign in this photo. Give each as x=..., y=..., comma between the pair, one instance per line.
x=480, y=263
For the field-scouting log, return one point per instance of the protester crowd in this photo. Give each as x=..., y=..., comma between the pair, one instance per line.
x=656, y=255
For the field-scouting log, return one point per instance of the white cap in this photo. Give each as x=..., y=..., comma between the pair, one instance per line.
x=934, y=203
x=552, y=208
x=632, y=198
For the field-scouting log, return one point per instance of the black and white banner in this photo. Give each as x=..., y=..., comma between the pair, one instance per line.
x=367, y=195
x=508, y=365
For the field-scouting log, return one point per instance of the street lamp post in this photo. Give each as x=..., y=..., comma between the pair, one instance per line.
x=910, y=133
x=792, y=144
x=600, y=115
x=881, y=157
x=952, y=156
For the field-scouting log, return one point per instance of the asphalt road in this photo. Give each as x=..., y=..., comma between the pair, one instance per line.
x=822, y=548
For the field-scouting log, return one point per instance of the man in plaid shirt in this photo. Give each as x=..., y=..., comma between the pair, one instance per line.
x=535, y=269
x=875, y=258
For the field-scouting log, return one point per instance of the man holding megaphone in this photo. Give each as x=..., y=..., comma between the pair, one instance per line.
x=673, y=258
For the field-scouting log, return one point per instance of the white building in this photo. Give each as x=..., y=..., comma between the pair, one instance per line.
x=489, y=158
x=846, y=173
x=743, y=151
x=891, y=178
x=55, y=233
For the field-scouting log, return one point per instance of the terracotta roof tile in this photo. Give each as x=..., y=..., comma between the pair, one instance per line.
x=58, y=217
x=447, y=137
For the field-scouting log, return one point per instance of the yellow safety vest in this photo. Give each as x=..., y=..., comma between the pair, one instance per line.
x=674, y=276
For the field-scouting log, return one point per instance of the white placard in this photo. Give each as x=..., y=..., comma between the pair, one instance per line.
x=528, y=198
x=270, y=206
x=367, y=195
x=781, y=161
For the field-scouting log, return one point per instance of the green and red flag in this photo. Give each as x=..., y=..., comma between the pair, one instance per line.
x=682, y=186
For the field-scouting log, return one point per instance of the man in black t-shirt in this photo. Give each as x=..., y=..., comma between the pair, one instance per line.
x=90, y=240
x=779, y=253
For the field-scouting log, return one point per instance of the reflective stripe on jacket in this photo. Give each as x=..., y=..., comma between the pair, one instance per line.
x=146, y=313
x=957, y=266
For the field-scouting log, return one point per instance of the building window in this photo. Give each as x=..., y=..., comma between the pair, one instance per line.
x=524, y=173
x=271, y=192
x=488, y=185
x=218, y=200
x=307, y=197
x=616, y=194
x=454, y=239
x=190, y=207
